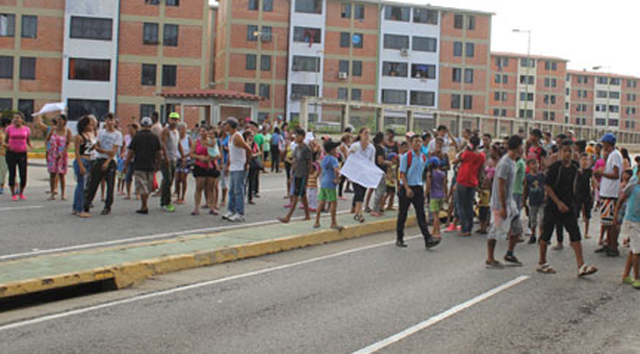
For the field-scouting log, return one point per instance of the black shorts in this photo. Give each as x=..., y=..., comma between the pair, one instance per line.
x=484, y=213
x=299, y=187
x=553, y=218
x=391, y=189
x=585, y=205
x=358, y=193
x=205, y=172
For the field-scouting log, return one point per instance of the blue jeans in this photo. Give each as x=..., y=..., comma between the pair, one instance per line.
x=236, y=192
x=466, y=196
x=81, y=182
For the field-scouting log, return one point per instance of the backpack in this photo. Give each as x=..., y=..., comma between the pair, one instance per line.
x=410, y=159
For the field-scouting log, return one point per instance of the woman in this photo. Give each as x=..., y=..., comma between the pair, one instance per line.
x=203, y=170
x=214, y=177
x=182, y=171
x=471, y=164
x=276, y=143
x=84, y=142
x=58, y=141
x=364, y=148
x=17, y=140
x=128, y=177
x=626, y=159
x=254, y=167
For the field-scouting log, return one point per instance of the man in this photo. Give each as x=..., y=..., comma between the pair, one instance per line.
x=224, y=176
x=560, y=209
x=156, y=128
x=443, y=132
x=412, y=165
x=259, y=140
x=609, y=192
x=171, y=146
x=146, y=152
x=535, y=149
x=302, y=160
x=238, y=153
x=506, y=218
x=104, y=166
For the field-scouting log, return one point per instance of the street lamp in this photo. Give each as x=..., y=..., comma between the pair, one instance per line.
x=275, y=64
x=526, y=98
x=599, y=68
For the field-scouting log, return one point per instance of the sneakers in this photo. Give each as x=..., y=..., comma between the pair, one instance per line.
x=228, y=215
x=236, y=218
x=170, y=208
x=636, y=284
x=628, y=280
x=22, y=197
x=451, y=228
x=512, y=259
x=612, y=253
x=532, y=240
x=15, y=198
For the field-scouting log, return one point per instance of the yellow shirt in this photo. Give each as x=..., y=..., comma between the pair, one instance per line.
x=485, y=198
x=3, y=150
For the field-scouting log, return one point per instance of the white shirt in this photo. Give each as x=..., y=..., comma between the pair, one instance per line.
x=237, y=156
x=610, y=188
x=445, y=145
x=107, y=141
x=369, y=153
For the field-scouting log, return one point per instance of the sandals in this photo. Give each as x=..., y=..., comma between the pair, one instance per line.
x=494, y=265
x=358, y=218
x=586, y=270
x=545, y=269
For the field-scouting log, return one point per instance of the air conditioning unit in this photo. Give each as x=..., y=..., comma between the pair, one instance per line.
x=404, y=52
x=342, y=76
x=296, y=96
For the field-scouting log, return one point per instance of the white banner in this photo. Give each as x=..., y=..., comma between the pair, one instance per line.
x=362, y=171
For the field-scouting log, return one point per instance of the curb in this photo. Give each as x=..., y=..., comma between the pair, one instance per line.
x=129, y=274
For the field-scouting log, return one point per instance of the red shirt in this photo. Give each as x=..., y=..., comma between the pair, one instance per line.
x=471, y=163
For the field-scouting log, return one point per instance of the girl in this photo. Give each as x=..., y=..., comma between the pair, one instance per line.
x=182, y=172
x=58, y=141
x=312, y=184
x=84, y=142
x=437, y=191
x=254, y=167
x=17, y=140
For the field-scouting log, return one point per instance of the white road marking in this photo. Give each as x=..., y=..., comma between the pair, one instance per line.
x=145, y=238
x=179, y=289
x=440, y=317
x=22, y=208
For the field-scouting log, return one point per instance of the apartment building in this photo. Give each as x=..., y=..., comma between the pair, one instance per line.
x=102, y=55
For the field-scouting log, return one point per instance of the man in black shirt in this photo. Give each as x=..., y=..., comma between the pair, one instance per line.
x=145, y=151
x=560, y=209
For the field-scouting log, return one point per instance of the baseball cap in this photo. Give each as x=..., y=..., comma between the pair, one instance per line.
x=434, y=161
x=146, y=122
x=174, y=115
x=330, y=145
x=391, y=156
x=609, y=138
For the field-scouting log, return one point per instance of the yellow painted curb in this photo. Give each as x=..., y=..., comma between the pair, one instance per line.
x=129, y=274
x=42, y=155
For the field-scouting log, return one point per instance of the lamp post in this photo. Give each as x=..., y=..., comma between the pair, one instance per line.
x=526, y=94
x=599, y=68
x=275, y=66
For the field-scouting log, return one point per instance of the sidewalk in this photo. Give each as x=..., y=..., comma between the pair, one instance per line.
x=128, y=265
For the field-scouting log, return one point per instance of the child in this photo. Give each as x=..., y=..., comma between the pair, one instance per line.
x=328, y=183
x=534, y=194
x=437, y=191
x=120, y=173
x=312, y=186
x=631, y=197
x=302, y=159
x=484, y=205
x=584, y=190
x=391, y=180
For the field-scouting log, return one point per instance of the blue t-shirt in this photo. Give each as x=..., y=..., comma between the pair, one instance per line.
x=425, y=150
x=633, y=202
x=275, y=139
x=415, y=173
x=329, y=164
x=225, y=150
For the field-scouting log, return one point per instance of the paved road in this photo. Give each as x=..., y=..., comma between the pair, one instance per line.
x=39, y=225
x=345, y=297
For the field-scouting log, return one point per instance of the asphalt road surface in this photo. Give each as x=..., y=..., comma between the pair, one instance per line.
x=358, y=296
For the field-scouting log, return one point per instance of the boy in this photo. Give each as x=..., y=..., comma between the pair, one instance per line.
x=584, y=197
x=301, y=166
x=534, y=194
x=484, y=206
x=328, y=183
x=391, y=179
x=560, y=209
x=631, y=195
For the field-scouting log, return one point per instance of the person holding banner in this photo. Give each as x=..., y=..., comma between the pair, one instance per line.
x=360, y=168
x=412, y=165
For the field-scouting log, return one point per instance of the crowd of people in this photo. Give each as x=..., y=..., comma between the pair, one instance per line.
x=450, y=181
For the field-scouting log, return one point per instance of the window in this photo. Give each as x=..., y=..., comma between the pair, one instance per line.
x=613, y=122
x=615, y=82
x=632, y=83
x=265, y=91
x=343, y=66
x=468, y=76
x=253, y=5
x=152, y=2
x=601, y=121
x=306, y=35
x=79, y=108
x=251, y=62
x=267, y=33
x=6, y=67
x=602, y=80
x=527, y=80
x=343, y=93
x=306, y=64
x=251, y=33
x=470, y=50
x=456, y=75
x=614, y=109
x=89, y=69
x=394, y=69
x=550, y=65
x=601, y=108
x=250, y=88
x=7, y=25
x=309, y=6
x=345, y=40
x=29, y=26
x=397, y=13
x=267, y=5
x=345, y=10
x=304, y=90
x=502, y=79
x=468, y=102
x=524, y=96
x=358, y=11
x=148, y=75
x=394, y=96
x=457, y=49
x=5, y=104
x=169, y=75
x=26, y=107
x=95, y=28
x=358, y=40
x=425, y=16
x=458, y=22
x=422, y=98
x=423, y=71
x=150, y=33
x=471, y=24
x=601, y=94
x=614, y=95
x=173, y=3
x=500, y=96
x=356, y=68
x=455, y=101
x=502, y=62
x=528, y=63
x=392, y=41
x=27, y=68
x=265, y=62
x=146, y=110
x=170, y=36
x=425, y=44
x=356, y=95
x=526, y=113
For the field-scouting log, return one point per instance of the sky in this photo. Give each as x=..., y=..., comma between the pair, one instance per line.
x=586, y=33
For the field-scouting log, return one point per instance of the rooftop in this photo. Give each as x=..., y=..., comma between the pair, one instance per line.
x=211, y=93
x=532, y=56
x=600, y=74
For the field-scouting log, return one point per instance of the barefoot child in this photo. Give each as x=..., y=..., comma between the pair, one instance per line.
x=328, y=183
x=302, y=158
x=631, y=230
x=484, y=205
x=437, y=192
